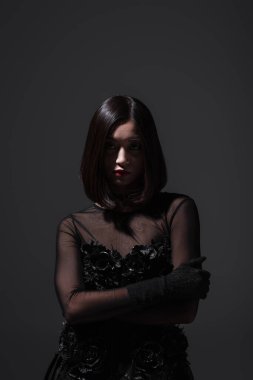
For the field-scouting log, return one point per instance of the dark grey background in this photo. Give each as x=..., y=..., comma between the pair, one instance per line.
x=191, y=63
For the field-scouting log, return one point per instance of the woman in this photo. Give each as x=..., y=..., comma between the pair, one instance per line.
x=128, y=267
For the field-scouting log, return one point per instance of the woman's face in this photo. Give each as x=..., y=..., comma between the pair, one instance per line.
x=124, y=158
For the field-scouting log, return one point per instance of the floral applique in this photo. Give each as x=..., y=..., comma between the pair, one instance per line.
x=106, y=269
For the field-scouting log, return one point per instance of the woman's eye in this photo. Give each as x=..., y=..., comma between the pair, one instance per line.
x=110, y=145
x=135, y=146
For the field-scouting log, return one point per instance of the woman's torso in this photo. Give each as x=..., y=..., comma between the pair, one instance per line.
x=117, y=249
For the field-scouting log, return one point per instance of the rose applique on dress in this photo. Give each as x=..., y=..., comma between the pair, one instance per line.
x=149, y=358
x=102, y=267
x=92, y=360
x=106, y=269
x=67, y=347
x=146, y=261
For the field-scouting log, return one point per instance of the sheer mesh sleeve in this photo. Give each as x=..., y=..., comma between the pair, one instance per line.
x=185, y=242
x=183, y=219
x=185, y=232
x=77, y=304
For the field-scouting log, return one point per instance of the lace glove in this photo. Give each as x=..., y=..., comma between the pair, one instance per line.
x=186, y=282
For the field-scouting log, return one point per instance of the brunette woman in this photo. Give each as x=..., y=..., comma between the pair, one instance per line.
x=128, y=267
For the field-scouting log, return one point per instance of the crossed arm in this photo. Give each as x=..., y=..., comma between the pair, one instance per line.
x=185, y=240
x=81, y=306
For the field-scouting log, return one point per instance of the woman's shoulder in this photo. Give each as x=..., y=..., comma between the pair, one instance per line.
x=77, y=215
x=174, y=201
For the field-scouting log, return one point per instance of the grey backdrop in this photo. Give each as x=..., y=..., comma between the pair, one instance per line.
x=191, y=63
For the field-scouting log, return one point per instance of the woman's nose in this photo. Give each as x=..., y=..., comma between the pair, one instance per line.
x=121, y=157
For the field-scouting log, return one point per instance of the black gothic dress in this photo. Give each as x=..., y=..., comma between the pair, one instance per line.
x=101, y=251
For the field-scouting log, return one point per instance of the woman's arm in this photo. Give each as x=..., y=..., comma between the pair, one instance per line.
x=172, y=313
x=79, y=305
x=185, y=242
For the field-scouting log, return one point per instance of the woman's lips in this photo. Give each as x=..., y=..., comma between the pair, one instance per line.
x=120, y=173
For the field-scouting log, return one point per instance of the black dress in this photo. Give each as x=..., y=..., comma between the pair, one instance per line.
x=98, y=252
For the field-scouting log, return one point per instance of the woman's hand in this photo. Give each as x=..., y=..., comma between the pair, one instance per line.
x=188, y=280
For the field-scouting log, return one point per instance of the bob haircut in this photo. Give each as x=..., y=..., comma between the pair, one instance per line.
x=113, y=112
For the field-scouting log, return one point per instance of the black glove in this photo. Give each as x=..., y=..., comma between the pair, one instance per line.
x=186, y=282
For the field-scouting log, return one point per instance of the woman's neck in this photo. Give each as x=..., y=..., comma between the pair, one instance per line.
x=123, y=197
x=127, y=192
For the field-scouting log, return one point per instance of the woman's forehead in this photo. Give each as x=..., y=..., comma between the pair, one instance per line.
x=124, y=131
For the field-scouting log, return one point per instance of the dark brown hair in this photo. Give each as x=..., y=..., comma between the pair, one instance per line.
x=113, y=112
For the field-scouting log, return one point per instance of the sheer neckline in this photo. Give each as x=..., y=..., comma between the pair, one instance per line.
x=134, y=208
x=163, y=241
x=130, y=211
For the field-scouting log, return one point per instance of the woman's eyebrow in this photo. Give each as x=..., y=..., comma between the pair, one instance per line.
x=130, y=138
